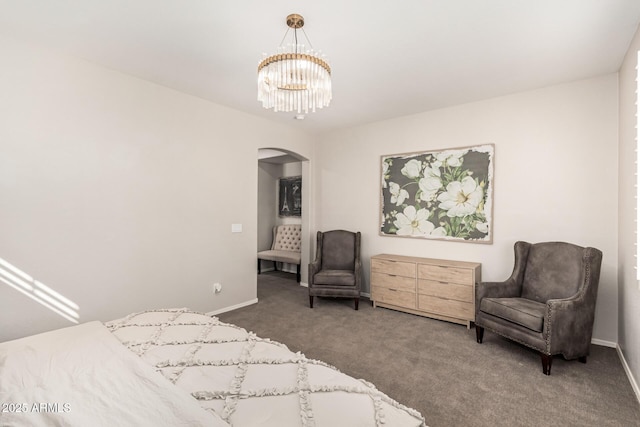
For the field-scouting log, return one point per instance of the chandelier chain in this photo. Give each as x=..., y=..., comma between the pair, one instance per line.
x=306, y=37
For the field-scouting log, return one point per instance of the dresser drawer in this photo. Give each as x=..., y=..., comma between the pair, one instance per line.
x=440, y=273
x=392, y=296
x=446, y=290
x=446, y=307
x=397, y=283
x=394, y=268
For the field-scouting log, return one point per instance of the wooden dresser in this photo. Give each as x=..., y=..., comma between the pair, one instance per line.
x=435, y=288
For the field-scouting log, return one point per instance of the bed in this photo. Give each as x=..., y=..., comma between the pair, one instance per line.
x=177, y=367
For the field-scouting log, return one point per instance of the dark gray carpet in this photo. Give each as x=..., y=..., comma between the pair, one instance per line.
x=437, y=367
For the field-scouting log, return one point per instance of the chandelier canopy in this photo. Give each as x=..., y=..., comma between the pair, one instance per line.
x=295, y=78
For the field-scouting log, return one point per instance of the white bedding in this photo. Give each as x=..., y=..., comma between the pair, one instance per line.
x=184, y=369
x=251, y=381
x=83, y=376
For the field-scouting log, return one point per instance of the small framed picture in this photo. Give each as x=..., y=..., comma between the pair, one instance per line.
x=290, y=196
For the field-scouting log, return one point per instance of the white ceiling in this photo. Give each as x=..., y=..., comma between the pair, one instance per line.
x=388, y=58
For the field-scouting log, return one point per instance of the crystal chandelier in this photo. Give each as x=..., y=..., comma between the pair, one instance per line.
x=295, y=78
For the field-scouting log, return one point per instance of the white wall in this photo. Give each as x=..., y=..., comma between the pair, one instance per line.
x=288, y=170
x=628, y=288
x=119, y=194
x=268, y=174
x=555, y=177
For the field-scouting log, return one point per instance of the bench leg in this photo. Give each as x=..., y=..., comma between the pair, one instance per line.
x=298, y=273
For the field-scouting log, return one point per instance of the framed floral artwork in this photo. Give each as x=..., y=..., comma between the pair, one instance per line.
x=445, y=194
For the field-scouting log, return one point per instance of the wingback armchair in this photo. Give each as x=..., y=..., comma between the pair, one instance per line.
x=337, y=268
x=548, y=303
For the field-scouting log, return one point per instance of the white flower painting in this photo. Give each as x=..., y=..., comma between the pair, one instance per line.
x=445, y=194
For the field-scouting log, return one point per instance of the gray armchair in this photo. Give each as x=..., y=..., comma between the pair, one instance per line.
x=548, y=303
x=337, y=269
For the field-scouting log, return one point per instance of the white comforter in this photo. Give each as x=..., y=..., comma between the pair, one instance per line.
x=251, y=381
x=210, y=373
x=83, y=376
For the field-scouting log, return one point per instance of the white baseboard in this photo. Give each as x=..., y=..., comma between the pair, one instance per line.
x=627, y=370
x=291, y=270
x=233, y=307
x=284, y=270
x=604, y=343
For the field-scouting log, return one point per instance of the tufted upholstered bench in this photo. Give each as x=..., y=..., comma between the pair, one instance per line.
x=285, y=247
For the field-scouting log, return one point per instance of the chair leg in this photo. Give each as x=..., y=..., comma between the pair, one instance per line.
x=259, y=266
x=357, y=301
x=275, y=265
x=479, y=334
x=546, y=363
x=298, y=273
x=310, y=301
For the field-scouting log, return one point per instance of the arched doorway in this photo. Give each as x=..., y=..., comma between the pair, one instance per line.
x=273, y=164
